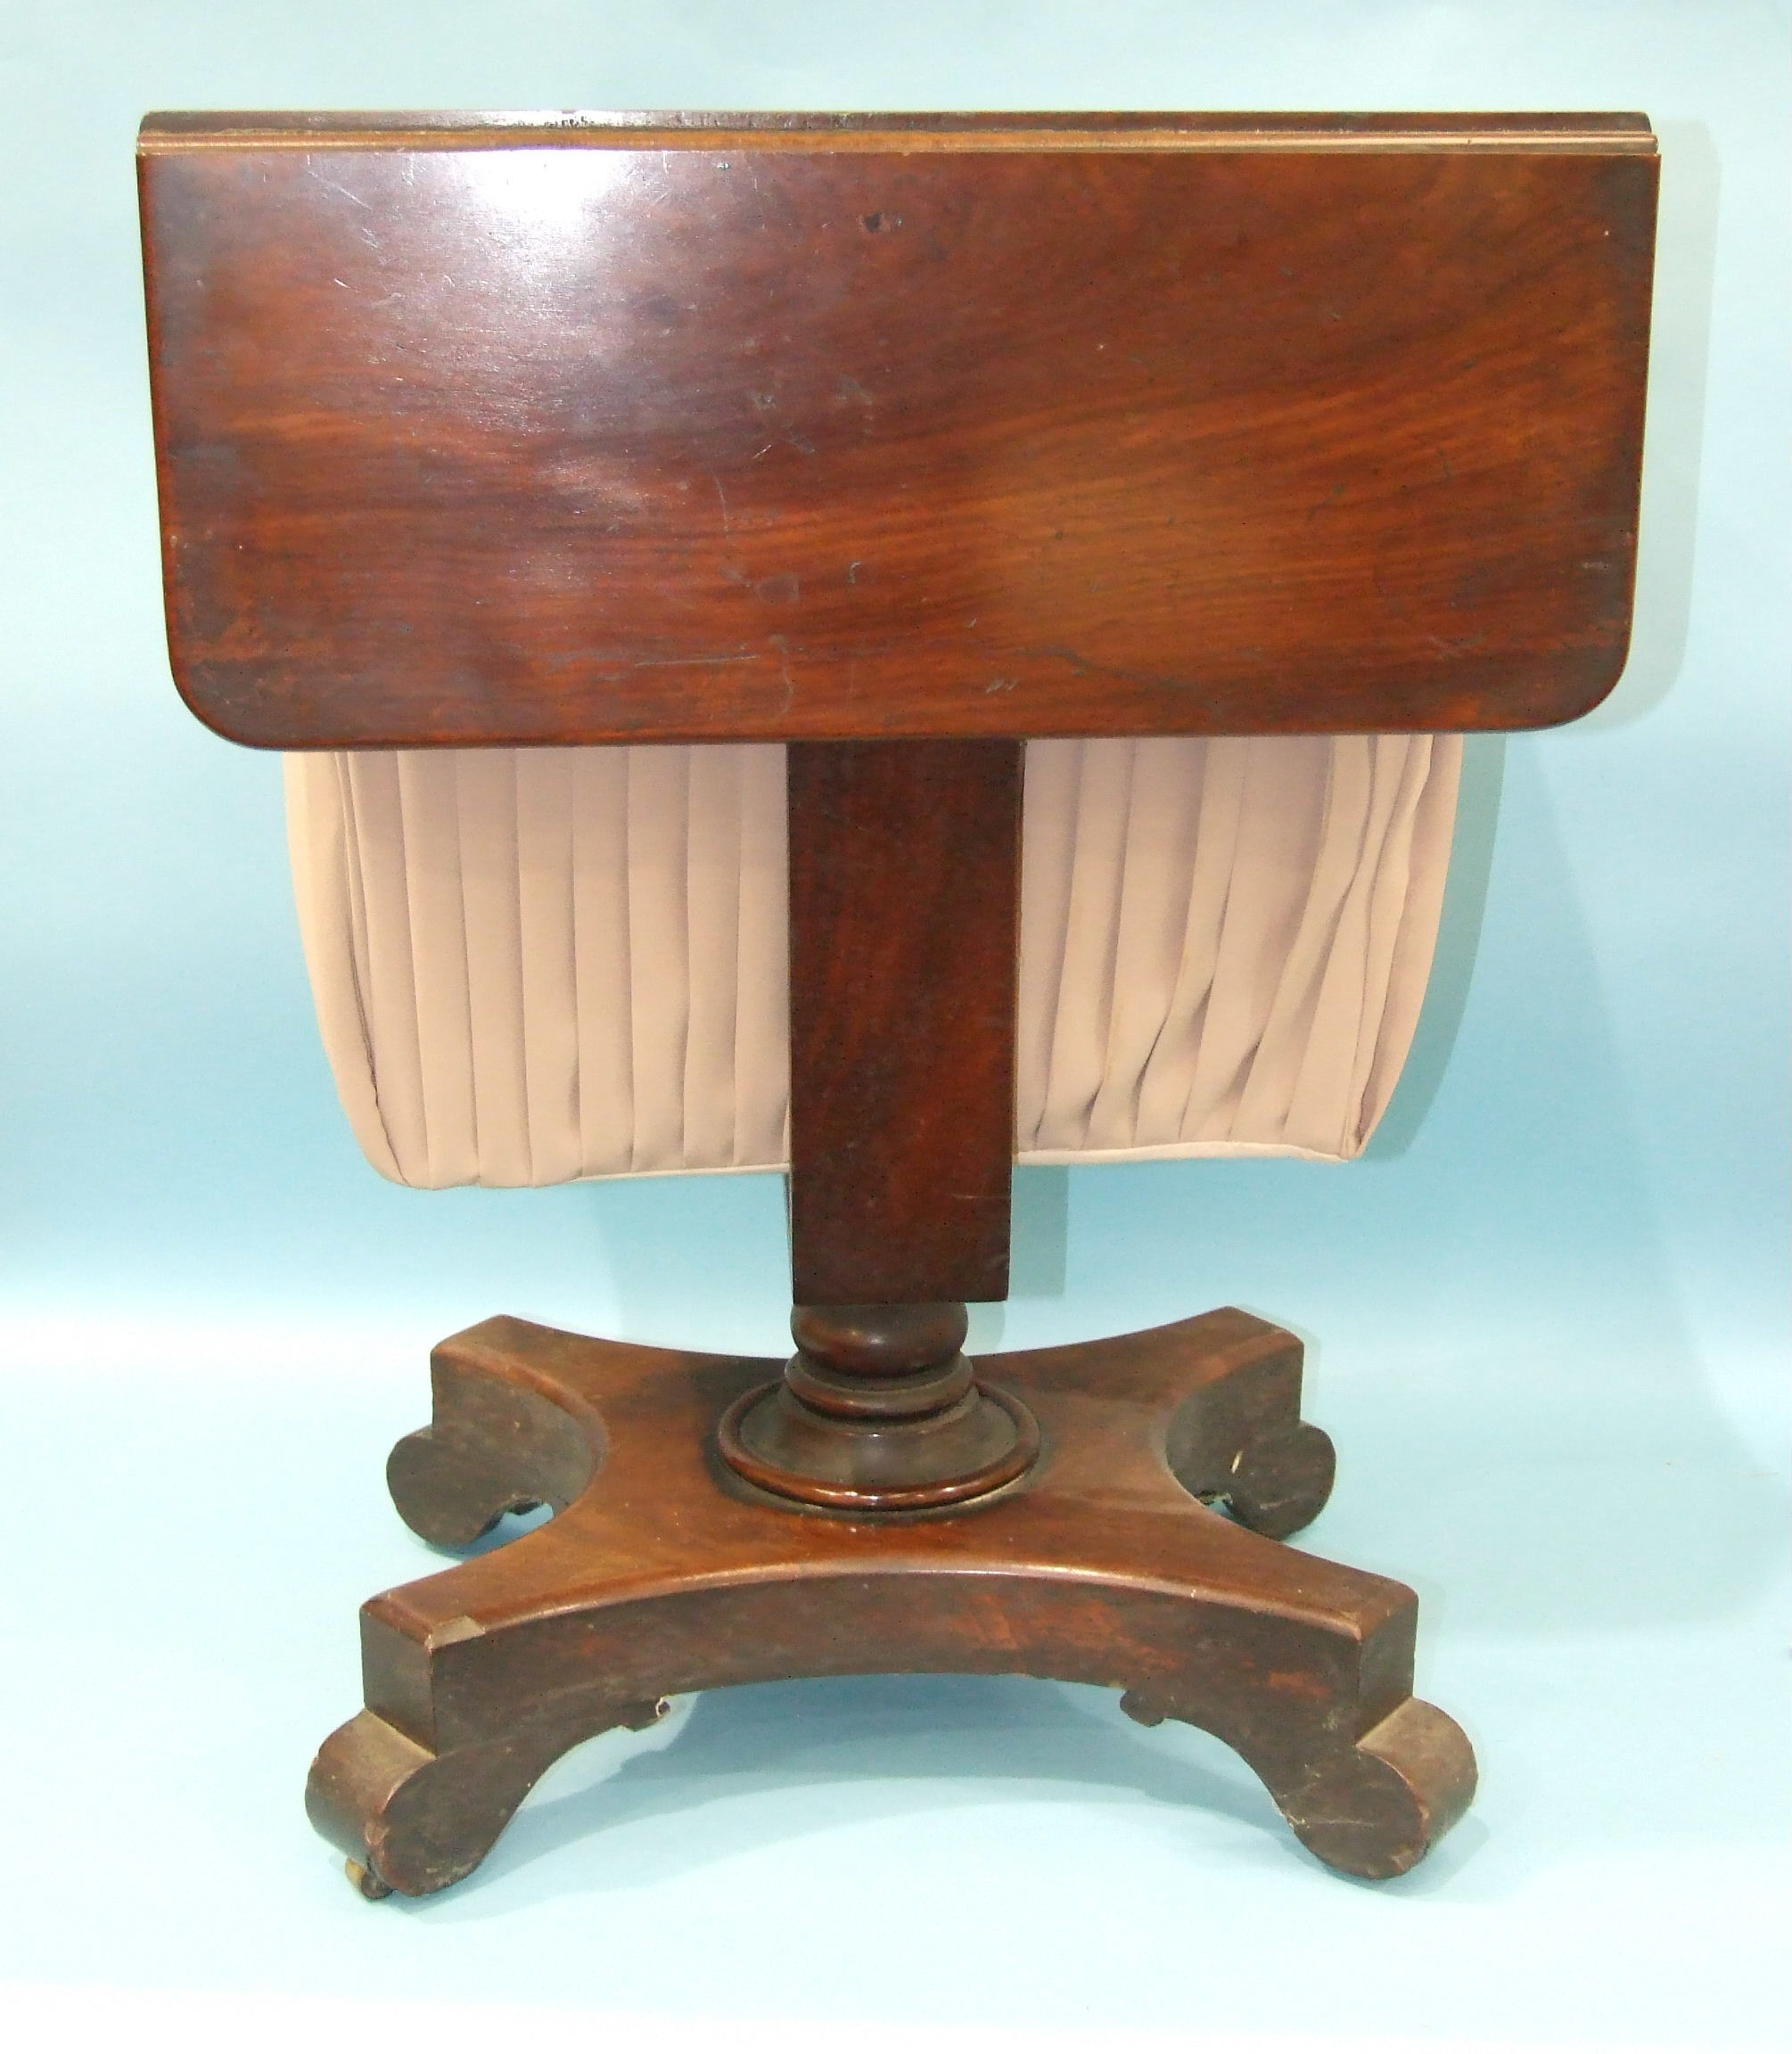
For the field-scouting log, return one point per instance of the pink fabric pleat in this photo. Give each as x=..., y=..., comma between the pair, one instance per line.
x=541, y=965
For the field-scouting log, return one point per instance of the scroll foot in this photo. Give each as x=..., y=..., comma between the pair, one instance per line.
x=1372, y=1809
x=1278, y=1483
x=1239, y=1439
x=496, y=1444
x=413, y=1822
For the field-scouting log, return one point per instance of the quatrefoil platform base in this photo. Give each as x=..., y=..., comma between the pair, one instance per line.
x=1109, y=1562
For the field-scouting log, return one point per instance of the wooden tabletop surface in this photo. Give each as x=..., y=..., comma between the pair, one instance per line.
x=487, y=429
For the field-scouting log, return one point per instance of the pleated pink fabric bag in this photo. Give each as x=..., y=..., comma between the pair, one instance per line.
x=533, y=966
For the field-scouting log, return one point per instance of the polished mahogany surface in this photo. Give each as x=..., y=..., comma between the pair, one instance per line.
x=580, y=428
x=904, y=932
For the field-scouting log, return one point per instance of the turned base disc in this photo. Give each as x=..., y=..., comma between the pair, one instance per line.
x=978, y=1445
x=879, y=1411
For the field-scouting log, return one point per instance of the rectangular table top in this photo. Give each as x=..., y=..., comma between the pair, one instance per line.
x=489, y=429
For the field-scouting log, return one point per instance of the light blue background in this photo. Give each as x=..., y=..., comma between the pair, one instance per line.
x=1548, y=1309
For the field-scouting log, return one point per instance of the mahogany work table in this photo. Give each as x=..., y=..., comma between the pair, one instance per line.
x=900, y=440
